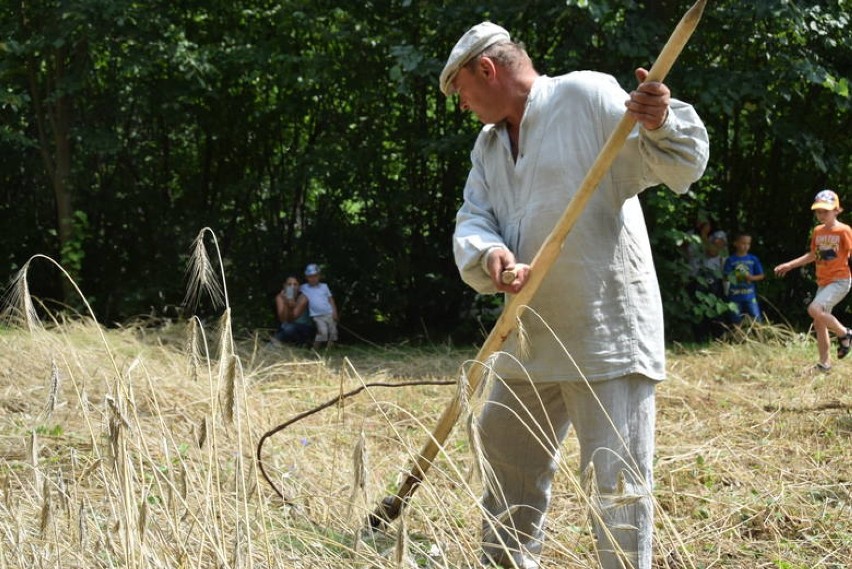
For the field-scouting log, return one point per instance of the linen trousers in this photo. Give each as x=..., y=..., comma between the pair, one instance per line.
x=523, y=425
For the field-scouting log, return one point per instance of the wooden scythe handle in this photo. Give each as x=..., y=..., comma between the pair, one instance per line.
x=508, y=276
x=390, y=508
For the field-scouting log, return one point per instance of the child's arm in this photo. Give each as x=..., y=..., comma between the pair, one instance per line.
x=301, y=306
x=333, y=308
x=785, y=268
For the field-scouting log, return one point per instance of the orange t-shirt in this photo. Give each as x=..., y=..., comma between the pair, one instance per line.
x=832, y=248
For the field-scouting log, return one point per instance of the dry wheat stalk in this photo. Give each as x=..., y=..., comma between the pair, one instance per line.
x=18, y=307
x=81, y=526
x=229, y=406
x=62, y=491
x=203, y=428
x=46, y=508
x=33, y=451
x=359, y=472
x=53, y=392
x=400, y=553
x=236, y=559
x=193, y=347
x=228, y=362
x=201, y=277
x=7, y=492
x=142, y=517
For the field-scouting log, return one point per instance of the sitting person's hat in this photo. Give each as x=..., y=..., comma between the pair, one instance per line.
x=826, y=199
x=719, y=236
x=476, y=40
x=311, y=270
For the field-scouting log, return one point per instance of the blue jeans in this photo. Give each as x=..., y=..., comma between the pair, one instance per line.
x=295, y=333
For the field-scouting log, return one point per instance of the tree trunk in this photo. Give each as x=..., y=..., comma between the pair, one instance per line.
x=53, y=121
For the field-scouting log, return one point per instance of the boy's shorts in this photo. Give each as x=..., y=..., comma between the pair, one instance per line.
x=747, y=308
x=326, y=328
x=829, y=295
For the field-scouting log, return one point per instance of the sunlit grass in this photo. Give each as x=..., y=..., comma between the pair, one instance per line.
x=140, y=469
x=135, y=447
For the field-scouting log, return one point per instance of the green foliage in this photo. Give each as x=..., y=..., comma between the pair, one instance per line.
x=73, y=252
x=314, y=131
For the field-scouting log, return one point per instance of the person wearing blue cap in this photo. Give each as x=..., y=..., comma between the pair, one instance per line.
x=321, y=307
x=831, y=246
x=595, y=326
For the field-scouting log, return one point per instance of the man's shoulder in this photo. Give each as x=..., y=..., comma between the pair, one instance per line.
x=586, y=80
x=582, y=91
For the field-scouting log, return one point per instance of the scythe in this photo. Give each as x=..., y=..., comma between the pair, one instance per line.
x=391, y=506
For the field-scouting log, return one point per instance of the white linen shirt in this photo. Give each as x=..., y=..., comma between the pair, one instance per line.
x=600, y=302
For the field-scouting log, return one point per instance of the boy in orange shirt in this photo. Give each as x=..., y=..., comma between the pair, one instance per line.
x=831, y=246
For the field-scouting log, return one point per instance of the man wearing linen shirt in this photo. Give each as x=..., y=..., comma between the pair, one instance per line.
x=595, y=347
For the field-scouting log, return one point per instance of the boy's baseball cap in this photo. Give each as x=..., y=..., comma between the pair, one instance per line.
x=476, y=40
x=311, y=270
x=826, y=199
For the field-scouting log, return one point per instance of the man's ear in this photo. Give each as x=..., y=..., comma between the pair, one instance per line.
x=487, y=67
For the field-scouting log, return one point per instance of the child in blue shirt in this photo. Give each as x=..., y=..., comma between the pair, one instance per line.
x=742, y=270
x=321, y=307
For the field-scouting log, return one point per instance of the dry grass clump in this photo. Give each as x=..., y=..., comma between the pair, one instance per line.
x=135, y=447
x=149, y=468
x=754, y=455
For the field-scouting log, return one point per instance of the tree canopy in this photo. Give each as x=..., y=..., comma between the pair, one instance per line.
x=314, y=131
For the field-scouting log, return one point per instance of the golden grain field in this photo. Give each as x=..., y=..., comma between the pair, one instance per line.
x=166, y=444
x=136, y=447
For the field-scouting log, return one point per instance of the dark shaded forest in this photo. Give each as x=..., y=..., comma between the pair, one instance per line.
x=314, y=131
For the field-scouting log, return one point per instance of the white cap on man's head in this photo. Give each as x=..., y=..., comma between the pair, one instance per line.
x=476, y=40
x=311, y=270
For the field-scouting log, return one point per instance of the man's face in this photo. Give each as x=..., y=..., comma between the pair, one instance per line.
x=475, y=94
x=312, y=280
